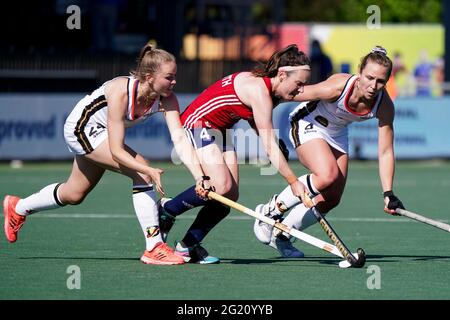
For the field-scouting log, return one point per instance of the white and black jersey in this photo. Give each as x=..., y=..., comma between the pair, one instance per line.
x=86, y=126
x=328, y=120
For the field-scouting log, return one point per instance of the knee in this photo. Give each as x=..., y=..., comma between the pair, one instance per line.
x=141, y=179
x=233, y=194
x=74, y=198
x=229, y=190
x=328, y=176
x=329, y=204
x=223, y=188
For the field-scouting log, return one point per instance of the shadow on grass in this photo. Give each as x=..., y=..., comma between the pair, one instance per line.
x=279, y=261
x=335, y=261
x=283, y=261
x=392, y=257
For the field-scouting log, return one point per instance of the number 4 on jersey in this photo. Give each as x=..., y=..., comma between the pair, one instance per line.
x=204, y=135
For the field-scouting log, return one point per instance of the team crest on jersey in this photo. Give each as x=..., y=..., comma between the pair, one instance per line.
x=152, y=231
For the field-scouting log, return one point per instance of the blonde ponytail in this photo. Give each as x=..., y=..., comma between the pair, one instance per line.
x=149, y=60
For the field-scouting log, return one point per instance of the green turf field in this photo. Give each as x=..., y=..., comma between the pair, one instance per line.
x=102, y=237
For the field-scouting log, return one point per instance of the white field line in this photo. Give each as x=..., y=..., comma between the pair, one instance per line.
x=192, y=217
x=272, y=182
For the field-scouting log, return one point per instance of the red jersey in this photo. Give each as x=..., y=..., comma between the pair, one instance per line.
x=218, y=106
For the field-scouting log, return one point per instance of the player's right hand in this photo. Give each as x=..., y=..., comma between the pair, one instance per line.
x=202, y=187
x=155, y=176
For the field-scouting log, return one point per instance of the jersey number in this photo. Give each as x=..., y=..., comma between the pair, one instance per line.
x=204, y=135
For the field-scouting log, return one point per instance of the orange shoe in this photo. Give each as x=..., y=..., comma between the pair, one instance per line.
x=13, y=221
x=161, y=254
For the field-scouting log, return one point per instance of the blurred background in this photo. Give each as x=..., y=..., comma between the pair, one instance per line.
x=53, y=52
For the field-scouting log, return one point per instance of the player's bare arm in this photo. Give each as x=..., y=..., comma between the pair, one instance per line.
x=328, y=90
x=386, y=145
x=262, y=106
x=117, y=101
x=183, y=147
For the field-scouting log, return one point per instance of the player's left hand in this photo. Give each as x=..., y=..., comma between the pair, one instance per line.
x=391, y=202
x=202, y=187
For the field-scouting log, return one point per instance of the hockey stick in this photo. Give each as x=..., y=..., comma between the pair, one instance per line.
x=356, y=261
x=293, y=232
x=418, y=217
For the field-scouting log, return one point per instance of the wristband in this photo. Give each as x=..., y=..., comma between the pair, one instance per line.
x=202, y=178
x=291, y=179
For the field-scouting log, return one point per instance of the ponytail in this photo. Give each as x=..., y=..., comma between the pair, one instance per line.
x=149, y=60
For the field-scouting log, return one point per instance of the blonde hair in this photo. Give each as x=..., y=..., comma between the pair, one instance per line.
x=149, y=61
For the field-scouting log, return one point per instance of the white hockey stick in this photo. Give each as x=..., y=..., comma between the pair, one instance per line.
x=418, y=217
x=293, y=232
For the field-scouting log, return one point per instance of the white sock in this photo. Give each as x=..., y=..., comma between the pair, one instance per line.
x=286, y=198
x=300, y=218
x=144, y=201
x=45, y=199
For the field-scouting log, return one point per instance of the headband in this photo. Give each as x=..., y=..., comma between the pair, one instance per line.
x=290, y=68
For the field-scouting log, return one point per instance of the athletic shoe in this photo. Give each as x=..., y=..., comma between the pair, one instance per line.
x=263, y=231
x=166, y=220
x=285, y=247
x=13, y=221
x=161, y=254
x=195, y=254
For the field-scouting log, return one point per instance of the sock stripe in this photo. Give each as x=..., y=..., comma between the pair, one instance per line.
x=310, y=187
x=142, y=189
x=55, y=195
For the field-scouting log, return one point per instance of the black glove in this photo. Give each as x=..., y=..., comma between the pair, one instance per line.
x=394, y=202
x=283, y=149
x=204, y=186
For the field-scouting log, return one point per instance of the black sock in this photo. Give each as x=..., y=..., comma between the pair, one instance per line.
x=208, y=217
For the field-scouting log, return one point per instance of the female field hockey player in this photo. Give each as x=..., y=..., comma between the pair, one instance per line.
x=319, y=135
x=95, y=133
x=243, y=95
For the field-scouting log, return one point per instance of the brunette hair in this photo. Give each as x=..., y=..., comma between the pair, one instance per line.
x=289, y=56
x=377, y=55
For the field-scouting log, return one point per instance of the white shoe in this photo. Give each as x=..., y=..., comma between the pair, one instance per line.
x=263, y=231
x=195, y=254
x=285, y=247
